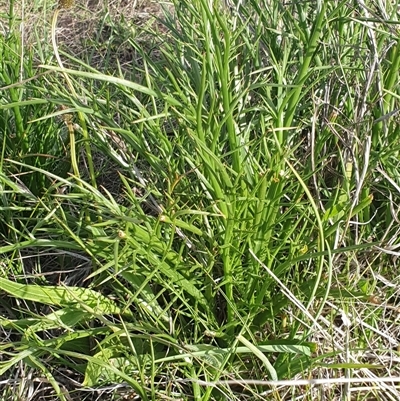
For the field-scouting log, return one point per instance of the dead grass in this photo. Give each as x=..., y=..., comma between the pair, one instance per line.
x=89, y=29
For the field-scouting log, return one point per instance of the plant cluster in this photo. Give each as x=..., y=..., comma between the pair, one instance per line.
x=217, y=218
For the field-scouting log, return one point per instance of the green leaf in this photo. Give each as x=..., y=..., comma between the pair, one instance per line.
x=258, y=353
x=215, y=355
x=94, y=370
x=145, y=298
x=103, y=77
x=61, y=296
x=65, y=318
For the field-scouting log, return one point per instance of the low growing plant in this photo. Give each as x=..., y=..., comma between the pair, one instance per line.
x=247, y=214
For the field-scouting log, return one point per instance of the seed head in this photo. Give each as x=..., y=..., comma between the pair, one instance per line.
x=65, y=3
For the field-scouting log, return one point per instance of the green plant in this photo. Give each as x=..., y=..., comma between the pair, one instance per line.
x=248, y=211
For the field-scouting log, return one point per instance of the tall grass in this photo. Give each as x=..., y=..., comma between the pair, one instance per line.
x=257, y=167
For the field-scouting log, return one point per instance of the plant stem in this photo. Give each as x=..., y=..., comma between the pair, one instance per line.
x=80, y=114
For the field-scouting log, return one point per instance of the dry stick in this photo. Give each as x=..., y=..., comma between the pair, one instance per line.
x=295, y=382
x=24, y=81
x=373, y=70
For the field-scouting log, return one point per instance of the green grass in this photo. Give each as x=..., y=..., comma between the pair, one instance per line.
x=216, y=211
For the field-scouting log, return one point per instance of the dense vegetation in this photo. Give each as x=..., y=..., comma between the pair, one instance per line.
x=202, y=204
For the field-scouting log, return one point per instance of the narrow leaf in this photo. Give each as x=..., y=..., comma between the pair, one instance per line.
x=60, y=296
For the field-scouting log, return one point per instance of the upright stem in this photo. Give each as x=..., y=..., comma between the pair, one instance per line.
x=66, y=4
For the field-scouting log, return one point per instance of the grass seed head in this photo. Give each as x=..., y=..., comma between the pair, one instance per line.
x=65, y=3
